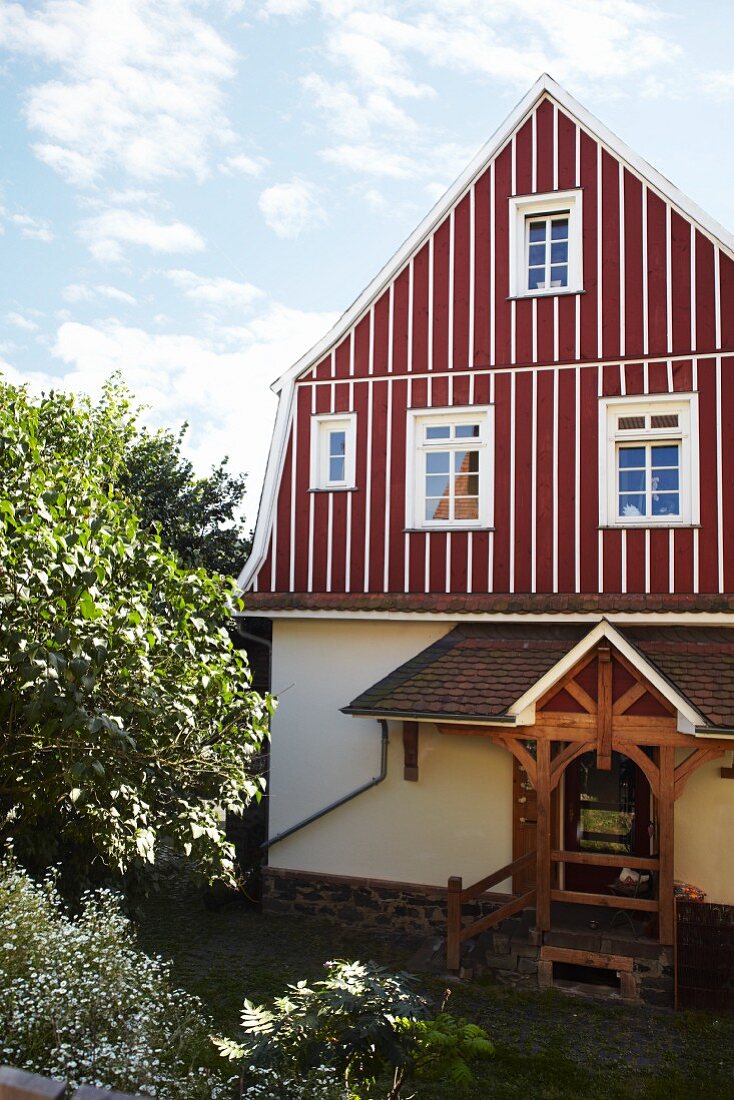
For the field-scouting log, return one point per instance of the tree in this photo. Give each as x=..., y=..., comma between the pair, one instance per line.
x=198, y=516
x=126, y=714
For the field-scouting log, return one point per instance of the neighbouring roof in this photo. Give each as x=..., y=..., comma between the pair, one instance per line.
x=479, y=671
x=475, y=604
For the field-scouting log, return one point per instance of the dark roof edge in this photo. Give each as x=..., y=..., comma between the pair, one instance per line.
x=413, y=716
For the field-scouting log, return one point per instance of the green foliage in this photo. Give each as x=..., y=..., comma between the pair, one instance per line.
x=369, y=1025
x=196, y=517
x=79, y=1000
x=126, y=714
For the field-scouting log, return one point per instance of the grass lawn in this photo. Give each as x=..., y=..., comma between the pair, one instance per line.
x=548, y=1046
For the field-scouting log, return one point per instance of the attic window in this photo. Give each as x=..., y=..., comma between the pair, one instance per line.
x=333, y=451
x=545, y=244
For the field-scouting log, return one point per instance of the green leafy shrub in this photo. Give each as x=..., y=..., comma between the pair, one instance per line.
x=372, y=1027
x=79, y=1000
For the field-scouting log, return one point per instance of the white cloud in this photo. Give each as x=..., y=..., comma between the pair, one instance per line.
x=719, y=83
x=137, y=85
x=106, y=235
x=18, y=320
x=82, y=292
x=373, y=161
x=291, y=208
x=215, y=291
x=220, y=385
x=36, y=229
x=242, y=165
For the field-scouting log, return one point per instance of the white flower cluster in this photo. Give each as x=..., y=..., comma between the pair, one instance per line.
x=79, y=1000
x=322, y=1083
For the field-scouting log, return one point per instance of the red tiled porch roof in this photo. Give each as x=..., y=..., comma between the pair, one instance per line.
x=479, y=670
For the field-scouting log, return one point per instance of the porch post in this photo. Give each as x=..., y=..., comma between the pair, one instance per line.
x=666, y=838
x=543, y=835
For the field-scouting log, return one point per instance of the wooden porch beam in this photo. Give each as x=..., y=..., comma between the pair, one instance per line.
x=582, y=697
x=543, y=838
x=410, y=751
x=666, y=841
x=523, y=757
x=565, y=757
x=630, y=696
x=643, y=761
x=604, y=709
x=685, y=770
x=570, y=675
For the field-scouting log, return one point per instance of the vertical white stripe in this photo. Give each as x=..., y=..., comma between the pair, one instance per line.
x=513, y=316
x=717, y=296
x=577, y=326
x=577, y=483
x=513, y=156
x=348, y=546
x=448, y=562
x=600, y=560
x=429, y=392
x=534, y=152
x=450, y=389
x=332, y=397
x=599, y=256
x=578, y=156
x=719, y=476
x=600, y=380
x=693, y=287
x=695, y=559
x=406, y=561
x=390, y=327
x=471, y=389
x=535, y=329
x=492, y=269
x=351, y=352
x=534, y=484
x=669, y=276
x=329, y=542
x=622, y=275
x=623, y=563
x=430, y=300
x=311, y=506
x=469, y=560
x=313, y=400
x=427, y=563
x=622, y=379
x=556, y=328
x=411, y=318
x=671, y=560
x=556, y=380
x=646, y=377
x=512, y=482
x=555, y=146
x=645, y=303
x=490, y=546
x=452, y=262
x=294, y=463
x=472, y=274
x=371, y=354
x=409, y=395
x=388, y=463
x=273, y=549
x=351, y=397
x=694, y=375
x=367, y=490
x=647, y=559
x=669, y=365
x=332, y=363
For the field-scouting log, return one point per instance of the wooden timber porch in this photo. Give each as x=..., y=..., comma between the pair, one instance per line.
x=603, y=705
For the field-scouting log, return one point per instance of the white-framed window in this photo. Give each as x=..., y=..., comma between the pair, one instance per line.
x=648, y=461
x=333, y=445
x=546, y=256
x=450, y=467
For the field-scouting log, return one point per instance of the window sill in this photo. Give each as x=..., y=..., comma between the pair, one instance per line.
x=334, y=489
x=444, y=528
x=684, y=526
x=544, y=294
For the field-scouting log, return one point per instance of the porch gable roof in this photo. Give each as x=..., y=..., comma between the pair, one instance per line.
x=495, y=672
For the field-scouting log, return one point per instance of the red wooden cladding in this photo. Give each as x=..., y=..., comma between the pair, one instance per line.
x=447, y=332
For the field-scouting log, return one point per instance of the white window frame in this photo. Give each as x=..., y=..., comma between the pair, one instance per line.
x=415, y=496
x=321, y=428
x=525, y=207
x=685, y=406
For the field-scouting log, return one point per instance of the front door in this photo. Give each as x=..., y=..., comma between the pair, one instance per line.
x=604, y=811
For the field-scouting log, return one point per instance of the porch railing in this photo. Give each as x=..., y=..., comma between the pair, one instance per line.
x=458, y=896
x=606, y=859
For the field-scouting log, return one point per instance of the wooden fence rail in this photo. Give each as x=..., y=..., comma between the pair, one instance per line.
x=458, y=895
x=16, y=1084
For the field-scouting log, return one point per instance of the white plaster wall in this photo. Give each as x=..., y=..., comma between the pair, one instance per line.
x=456, y=820
x=704, y=833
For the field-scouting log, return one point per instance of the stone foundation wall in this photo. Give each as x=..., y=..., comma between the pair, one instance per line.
x=405, y=908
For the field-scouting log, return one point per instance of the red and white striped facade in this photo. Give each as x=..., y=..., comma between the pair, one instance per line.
x=439, y=328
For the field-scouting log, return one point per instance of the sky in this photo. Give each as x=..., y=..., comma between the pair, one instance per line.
x=192, y=191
